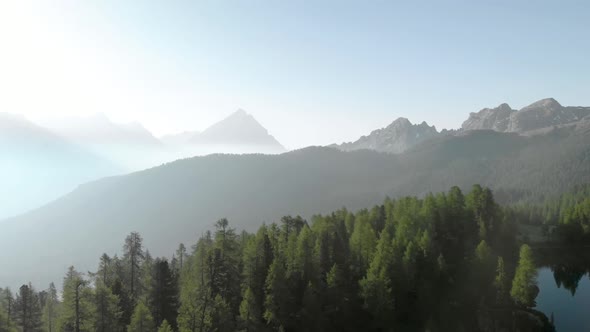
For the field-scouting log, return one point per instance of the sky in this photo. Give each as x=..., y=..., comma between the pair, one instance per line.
x=311, y=72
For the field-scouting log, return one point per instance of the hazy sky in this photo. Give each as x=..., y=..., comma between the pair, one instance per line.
x=312, y=72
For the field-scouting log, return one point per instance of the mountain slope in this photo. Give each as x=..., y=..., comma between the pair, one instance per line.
x=176, y=202
x=497, y=119
x=398, y=137
x=37, y=166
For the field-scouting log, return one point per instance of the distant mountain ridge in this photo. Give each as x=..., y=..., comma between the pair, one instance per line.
x=129, y=145
x=398, y=137
x=43, y=160
x=239, y=128
x=134, y=147
x=99, y=129
x=538, y=115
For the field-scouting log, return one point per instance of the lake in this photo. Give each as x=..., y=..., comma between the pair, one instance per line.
x=565, y=292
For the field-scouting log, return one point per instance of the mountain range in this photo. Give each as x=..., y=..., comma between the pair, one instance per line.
x=538, y=117
x=178, y=201
x=45, y=160
x=398, y=137
x=542, y=114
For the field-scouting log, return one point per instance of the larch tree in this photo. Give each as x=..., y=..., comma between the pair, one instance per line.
x=376, y=287
x=165, y=327
x=196, y=300
x=250, y=313
x=181, y=255
x=7, y=306
x=501, y=282
x=524, y=285
x=257, y=257
x=77, y=313
x=107, y=314
x=105, y=273
x=277, y=294
x=363, y=242
x=142, y=320
x=134, y=256
x=226, y=275
x=5, y=324
x=51, y=309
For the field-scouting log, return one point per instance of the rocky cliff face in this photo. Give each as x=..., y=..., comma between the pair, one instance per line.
x=398, y=137
x=537, y=118
x=497, y=119
x=541, y=114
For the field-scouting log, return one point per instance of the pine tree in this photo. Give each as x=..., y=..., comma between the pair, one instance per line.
x=108, y=314
x=124, y=303
x=277, y=294
x=376, y=287
x=196, y=295
x=221, y=316
x=250, y=313
x=363, y=243
x=311, y=311
x=27, y=309
x=258, y=256
x=145, y=276
x=50, y=310
x=6, y=324
x=133, y=258
x=163, y=297
x=484, y=264
x=181, y=255
x=524, y=285
x=105, y=273
x=165, y=327
x=142, y=320
x=7, y=307
x=226, y=276
x=501, y=282
x=77, y=313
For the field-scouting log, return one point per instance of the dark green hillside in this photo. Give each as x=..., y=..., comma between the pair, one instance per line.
x=178, y=201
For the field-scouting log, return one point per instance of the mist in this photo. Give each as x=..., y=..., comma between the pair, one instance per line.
x=294, y=166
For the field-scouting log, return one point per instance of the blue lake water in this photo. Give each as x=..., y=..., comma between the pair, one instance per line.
x=570, y=312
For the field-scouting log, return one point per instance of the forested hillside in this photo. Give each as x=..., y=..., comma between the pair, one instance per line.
x=180, y=200
x=447, y=262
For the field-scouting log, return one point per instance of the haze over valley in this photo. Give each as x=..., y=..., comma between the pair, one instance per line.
x=287, y=166
x=45, y=160
x=179, y=199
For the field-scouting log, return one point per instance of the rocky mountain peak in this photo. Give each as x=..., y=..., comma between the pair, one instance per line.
x=497, y=119
x=239, y=128
x=398, y=137
x=401, y=122
x=544, y=113
x=544, y=104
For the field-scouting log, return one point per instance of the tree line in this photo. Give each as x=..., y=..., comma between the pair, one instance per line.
x=564, y=219
x=445, y=262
